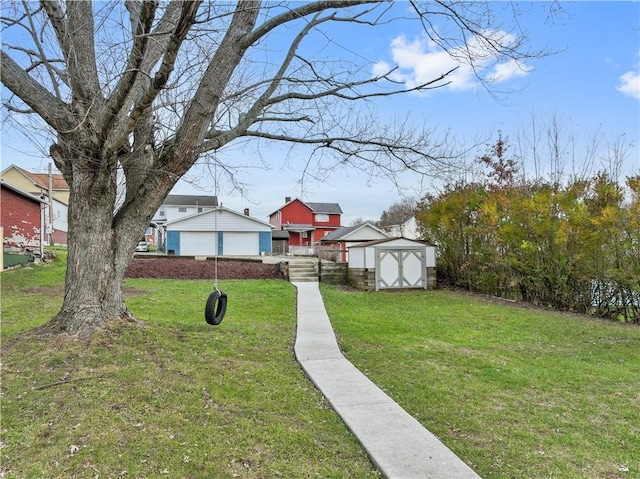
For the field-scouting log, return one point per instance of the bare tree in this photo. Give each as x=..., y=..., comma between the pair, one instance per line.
x=398, y=212
x=361, y=221
x=143, y=89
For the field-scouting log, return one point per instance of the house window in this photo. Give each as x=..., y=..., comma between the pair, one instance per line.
x=182, y=209
x=199, y=210
x=304, y=234
x=322, y=218
x=162, y=213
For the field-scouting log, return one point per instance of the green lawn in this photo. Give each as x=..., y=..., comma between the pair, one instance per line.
x=176, y=398
x=517, y=393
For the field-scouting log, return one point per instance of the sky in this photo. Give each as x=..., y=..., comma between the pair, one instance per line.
x=589, y=88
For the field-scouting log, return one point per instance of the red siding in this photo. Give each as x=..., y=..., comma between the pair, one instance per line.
x=296, y=239
x=298, y=213
x=21, y=220
x=59, y=237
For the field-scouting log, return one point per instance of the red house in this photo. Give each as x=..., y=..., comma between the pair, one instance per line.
x=22, y=219
x=307, y=222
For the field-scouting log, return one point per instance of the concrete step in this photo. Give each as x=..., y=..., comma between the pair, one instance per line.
x=303, y=271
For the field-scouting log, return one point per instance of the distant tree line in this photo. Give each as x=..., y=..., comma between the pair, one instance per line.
x=571, y=246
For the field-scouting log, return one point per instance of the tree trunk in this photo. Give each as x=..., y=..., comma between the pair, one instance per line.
x=98, y=253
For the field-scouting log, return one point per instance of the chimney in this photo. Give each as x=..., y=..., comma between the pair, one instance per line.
x=287, y=199
x=246, y=211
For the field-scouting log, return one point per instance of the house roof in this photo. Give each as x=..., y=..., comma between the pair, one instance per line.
x=344, y=232
x=29, y=196
x=328, y=208
x=220, y=209
x=42, y=179
x=191, y=200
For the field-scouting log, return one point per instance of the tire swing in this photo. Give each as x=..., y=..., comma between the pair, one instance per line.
x=217, y=302
x=216, y=307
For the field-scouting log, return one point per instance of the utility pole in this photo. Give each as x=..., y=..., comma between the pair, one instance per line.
x=50, y=193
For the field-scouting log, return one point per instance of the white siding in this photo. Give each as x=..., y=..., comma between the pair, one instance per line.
x=431, y=256
x=218, y=221
x=356, y=257
x=365, y=234
x=365, y=256
x=172, y=213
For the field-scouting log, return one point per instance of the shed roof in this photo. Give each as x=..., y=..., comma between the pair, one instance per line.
x=386, y=240
x=280, y=235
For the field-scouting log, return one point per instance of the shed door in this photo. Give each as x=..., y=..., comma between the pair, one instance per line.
x=401, y=267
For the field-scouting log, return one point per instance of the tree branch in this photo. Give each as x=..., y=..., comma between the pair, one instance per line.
x=127, y=80
x=155, y=48
x=303, y=11
x=187, y=17
x=191, y=132
x=53, y=111
x=75, y=32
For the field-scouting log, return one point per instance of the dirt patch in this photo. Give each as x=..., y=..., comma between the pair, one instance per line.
x=189, y=268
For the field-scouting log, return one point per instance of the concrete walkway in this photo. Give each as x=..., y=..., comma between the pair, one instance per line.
x=399, y=445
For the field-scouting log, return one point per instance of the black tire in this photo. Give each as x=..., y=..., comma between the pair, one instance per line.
x=216, y=308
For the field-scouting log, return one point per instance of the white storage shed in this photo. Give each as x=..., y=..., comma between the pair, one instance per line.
x=393, y=263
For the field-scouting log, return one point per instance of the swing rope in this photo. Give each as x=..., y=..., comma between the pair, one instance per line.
x=215, y=258
x=216, y=306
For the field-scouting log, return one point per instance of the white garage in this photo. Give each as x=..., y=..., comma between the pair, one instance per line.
x=218, y=232
x=239, y=242
x=393, y=263
x=197, y=243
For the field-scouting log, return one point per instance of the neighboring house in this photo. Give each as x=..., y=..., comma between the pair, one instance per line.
x=173, y=208
x=306, y=222
x=38, y=184
x=218, y=232
x=340, y=240
x=407, y=229
x=392, y=263
x=179, y=206
x=22, y=219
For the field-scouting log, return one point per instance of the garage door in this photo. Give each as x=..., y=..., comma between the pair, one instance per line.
x=240, y=243
x=401, y=268
x=197, y=243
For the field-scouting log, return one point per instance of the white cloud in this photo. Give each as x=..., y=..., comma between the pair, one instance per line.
x=421, y=61
x=630, y=84
x=505, y=71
